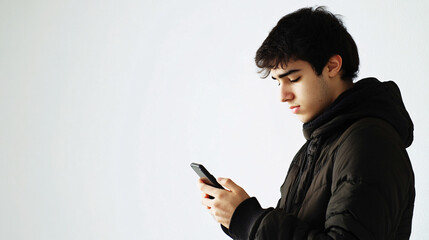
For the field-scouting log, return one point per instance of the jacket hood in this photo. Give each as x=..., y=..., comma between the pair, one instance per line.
x=367, y=98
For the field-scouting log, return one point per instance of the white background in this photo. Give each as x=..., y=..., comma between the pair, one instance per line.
x=104, y=104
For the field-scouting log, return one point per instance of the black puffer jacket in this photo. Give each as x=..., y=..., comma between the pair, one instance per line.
x=352, y=179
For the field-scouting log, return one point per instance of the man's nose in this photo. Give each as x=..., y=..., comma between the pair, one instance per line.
x=286, y=95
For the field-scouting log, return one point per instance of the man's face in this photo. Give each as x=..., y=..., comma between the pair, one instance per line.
x=307, y=94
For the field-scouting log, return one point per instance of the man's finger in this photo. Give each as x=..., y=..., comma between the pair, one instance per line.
x=209, y=190
x=228, y=183
x=207, y=202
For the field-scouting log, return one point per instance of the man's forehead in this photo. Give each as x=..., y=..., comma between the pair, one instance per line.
x=286, y=69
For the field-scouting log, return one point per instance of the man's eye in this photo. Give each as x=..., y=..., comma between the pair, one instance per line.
x=295, y=80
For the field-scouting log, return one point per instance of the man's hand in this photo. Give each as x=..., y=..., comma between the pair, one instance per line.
x=225, y=201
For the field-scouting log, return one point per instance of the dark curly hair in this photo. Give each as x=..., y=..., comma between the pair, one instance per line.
x=310, y=34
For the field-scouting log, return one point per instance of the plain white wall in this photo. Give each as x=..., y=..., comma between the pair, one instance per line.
x=104, y=104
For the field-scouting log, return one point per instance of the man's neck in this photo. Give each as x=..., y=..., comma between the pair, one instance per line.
x=342, y=86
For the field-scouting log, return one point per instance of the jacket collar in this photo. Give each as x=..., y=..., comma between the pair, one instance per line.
x=367, y=98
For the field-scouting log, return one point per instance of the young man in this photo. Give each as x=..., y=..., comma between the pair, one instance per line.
x=352, y=179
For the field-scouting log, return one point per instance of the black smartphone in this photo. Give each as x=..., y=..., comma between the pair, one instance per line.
x=205, y=175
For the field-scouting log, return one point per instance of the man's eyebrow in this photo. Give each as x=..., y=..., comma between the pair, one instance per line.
x=286, y=73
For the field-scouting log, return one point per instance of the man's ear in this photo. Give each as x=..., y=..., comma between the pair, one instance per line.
x=334, y=65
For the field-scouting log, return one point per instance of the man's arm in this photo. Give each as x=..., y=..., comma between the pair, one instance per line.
x=371, y=193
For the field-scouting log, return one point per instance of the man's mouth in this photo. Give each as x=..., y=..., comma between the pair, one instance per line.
x=294, y=109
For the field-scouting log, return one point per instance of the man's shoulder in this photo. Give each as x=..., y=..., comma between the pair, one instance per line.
x=370, y=135
x=369, y=126
x=369, y=148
